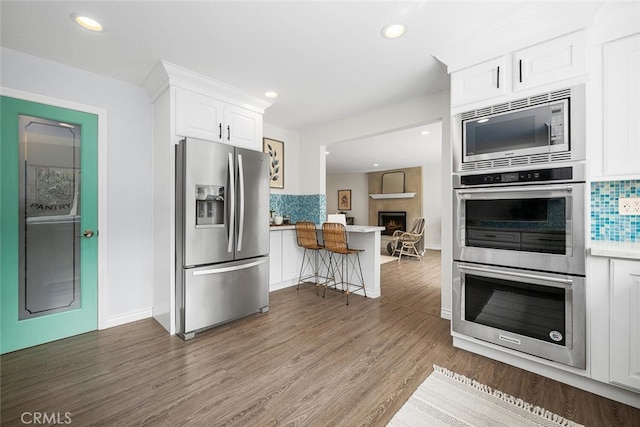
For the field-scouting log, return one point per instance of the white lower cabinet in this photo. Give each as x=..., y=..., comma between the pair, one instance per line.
x=291, y=256
x=625, y=323
x=285, y=259
x=275, y=257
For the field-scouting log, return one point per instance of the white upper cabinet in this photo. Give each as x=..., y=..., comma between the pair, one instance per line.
x=555, y=60
x=198, y=116
x=197, y=106
x=625, y=323
x=547, y=63
x=621, y=96
x=483, y=81
x=242, y=128
x=204, y=117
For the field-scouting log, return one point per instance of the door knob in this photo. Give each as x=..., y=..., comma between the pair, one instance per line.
x=88, y=233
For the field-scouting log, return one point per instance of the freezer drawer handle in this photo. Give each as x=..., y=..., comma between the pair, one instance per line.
x=228, y=269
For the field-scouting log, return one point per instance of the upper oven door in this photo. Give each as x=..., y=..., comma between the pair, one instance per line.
x=538, y=227
x=535, y=130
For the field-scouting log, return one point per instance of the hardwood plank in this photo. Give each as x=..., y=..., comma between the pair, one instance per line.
x=309, y=361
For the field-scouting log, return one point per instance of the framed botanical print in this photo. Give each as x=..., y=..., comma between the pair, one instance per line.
x=275, y=150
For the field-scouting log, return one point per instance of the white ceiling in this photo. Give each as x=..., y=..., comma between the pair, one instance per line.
x=395, y=150
x=326, y=59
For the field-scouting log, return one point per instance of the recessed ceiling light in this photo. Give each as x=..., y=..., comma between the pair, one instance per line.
x=393, y=31
x=271, y=94
x=326, y=152
x=424, y=132
x=86, y=22
x=376, y=165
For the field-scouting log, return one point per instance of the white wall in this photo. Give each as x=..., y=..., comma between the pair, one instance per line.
x=291, y=141
x=432, y=191
x=358, y=183
x=407, y=114
x=128, y=287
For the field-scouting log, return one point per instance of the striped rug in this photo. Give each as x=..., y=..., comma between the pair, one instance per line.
x=449, y=399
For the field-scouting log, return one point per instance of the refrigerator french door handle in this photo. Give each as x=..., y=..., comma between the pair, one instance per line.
x=232, y=207
x=241, y=197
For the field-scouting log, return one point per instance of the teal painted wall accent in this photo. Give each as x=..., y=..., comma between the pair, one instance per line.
x=606, y=223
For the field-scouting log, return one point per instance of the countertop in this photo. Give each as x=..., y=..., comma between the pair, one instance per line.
x=629, y=250
x=350, y=228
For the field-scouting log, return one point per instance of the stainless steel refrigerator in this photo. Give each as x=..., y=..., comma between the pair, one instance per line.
x=222, y=234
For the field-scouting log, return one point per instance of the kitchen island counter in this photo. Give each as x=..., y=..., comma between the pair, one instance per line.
x=350, y=228
x=286, y=255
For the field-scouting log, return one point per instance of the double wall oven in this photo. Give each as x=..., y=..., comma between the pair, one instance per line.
x=519, y=258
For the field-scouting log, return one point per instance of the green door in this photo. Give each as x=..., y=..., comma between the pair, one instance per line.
x=49, y=208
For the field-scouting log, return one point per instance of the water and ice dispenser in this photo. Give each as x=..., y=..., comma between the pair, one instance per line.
x=209, y=205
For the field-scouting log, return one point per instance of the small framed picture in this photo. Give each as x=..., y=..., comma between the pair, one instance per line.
x=344, y=200
x=275, y=150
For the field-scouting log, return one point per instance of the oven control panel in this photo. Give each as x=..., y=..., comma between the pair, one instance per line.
x=525, y=176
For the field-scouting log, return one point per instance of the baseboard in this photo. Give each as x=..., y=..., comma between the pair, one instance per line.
x=286, y=284
x=445, y=313
x=132, y=316
x=544, y=368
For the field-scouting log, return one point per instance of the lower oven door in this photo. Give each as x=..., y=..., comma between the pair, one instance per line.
x=535, y=313
x=539, y=227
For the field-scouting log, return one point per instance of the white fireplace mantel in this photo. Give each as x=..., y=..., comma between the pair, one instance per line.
x=392, y=196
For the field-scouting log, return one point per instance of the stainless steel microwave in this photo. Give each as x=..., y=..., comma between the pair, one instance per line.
x=545, y=128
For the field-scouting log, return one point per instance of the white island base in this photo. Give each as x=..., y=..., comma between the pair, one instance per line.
x=286, y=256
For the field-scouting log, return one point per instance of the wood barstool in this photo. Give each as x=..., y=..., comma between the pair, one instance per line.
x=346, y=258
x=313, y=255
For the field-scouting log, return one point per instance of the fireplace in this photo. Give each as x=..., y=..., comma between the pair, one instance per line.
x=392, y=221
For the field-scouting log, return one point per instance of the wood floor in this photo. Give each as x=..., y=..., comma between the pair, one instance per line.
x=309, y=362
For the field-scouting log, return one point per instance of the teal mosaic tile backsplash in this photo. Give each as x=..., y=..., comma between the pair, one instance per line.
x=606, y=223
x=305, y=207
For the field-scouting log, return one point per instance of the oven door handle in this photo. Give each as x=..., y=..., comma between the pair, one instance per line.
x=564, y=281
x=486, y=190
